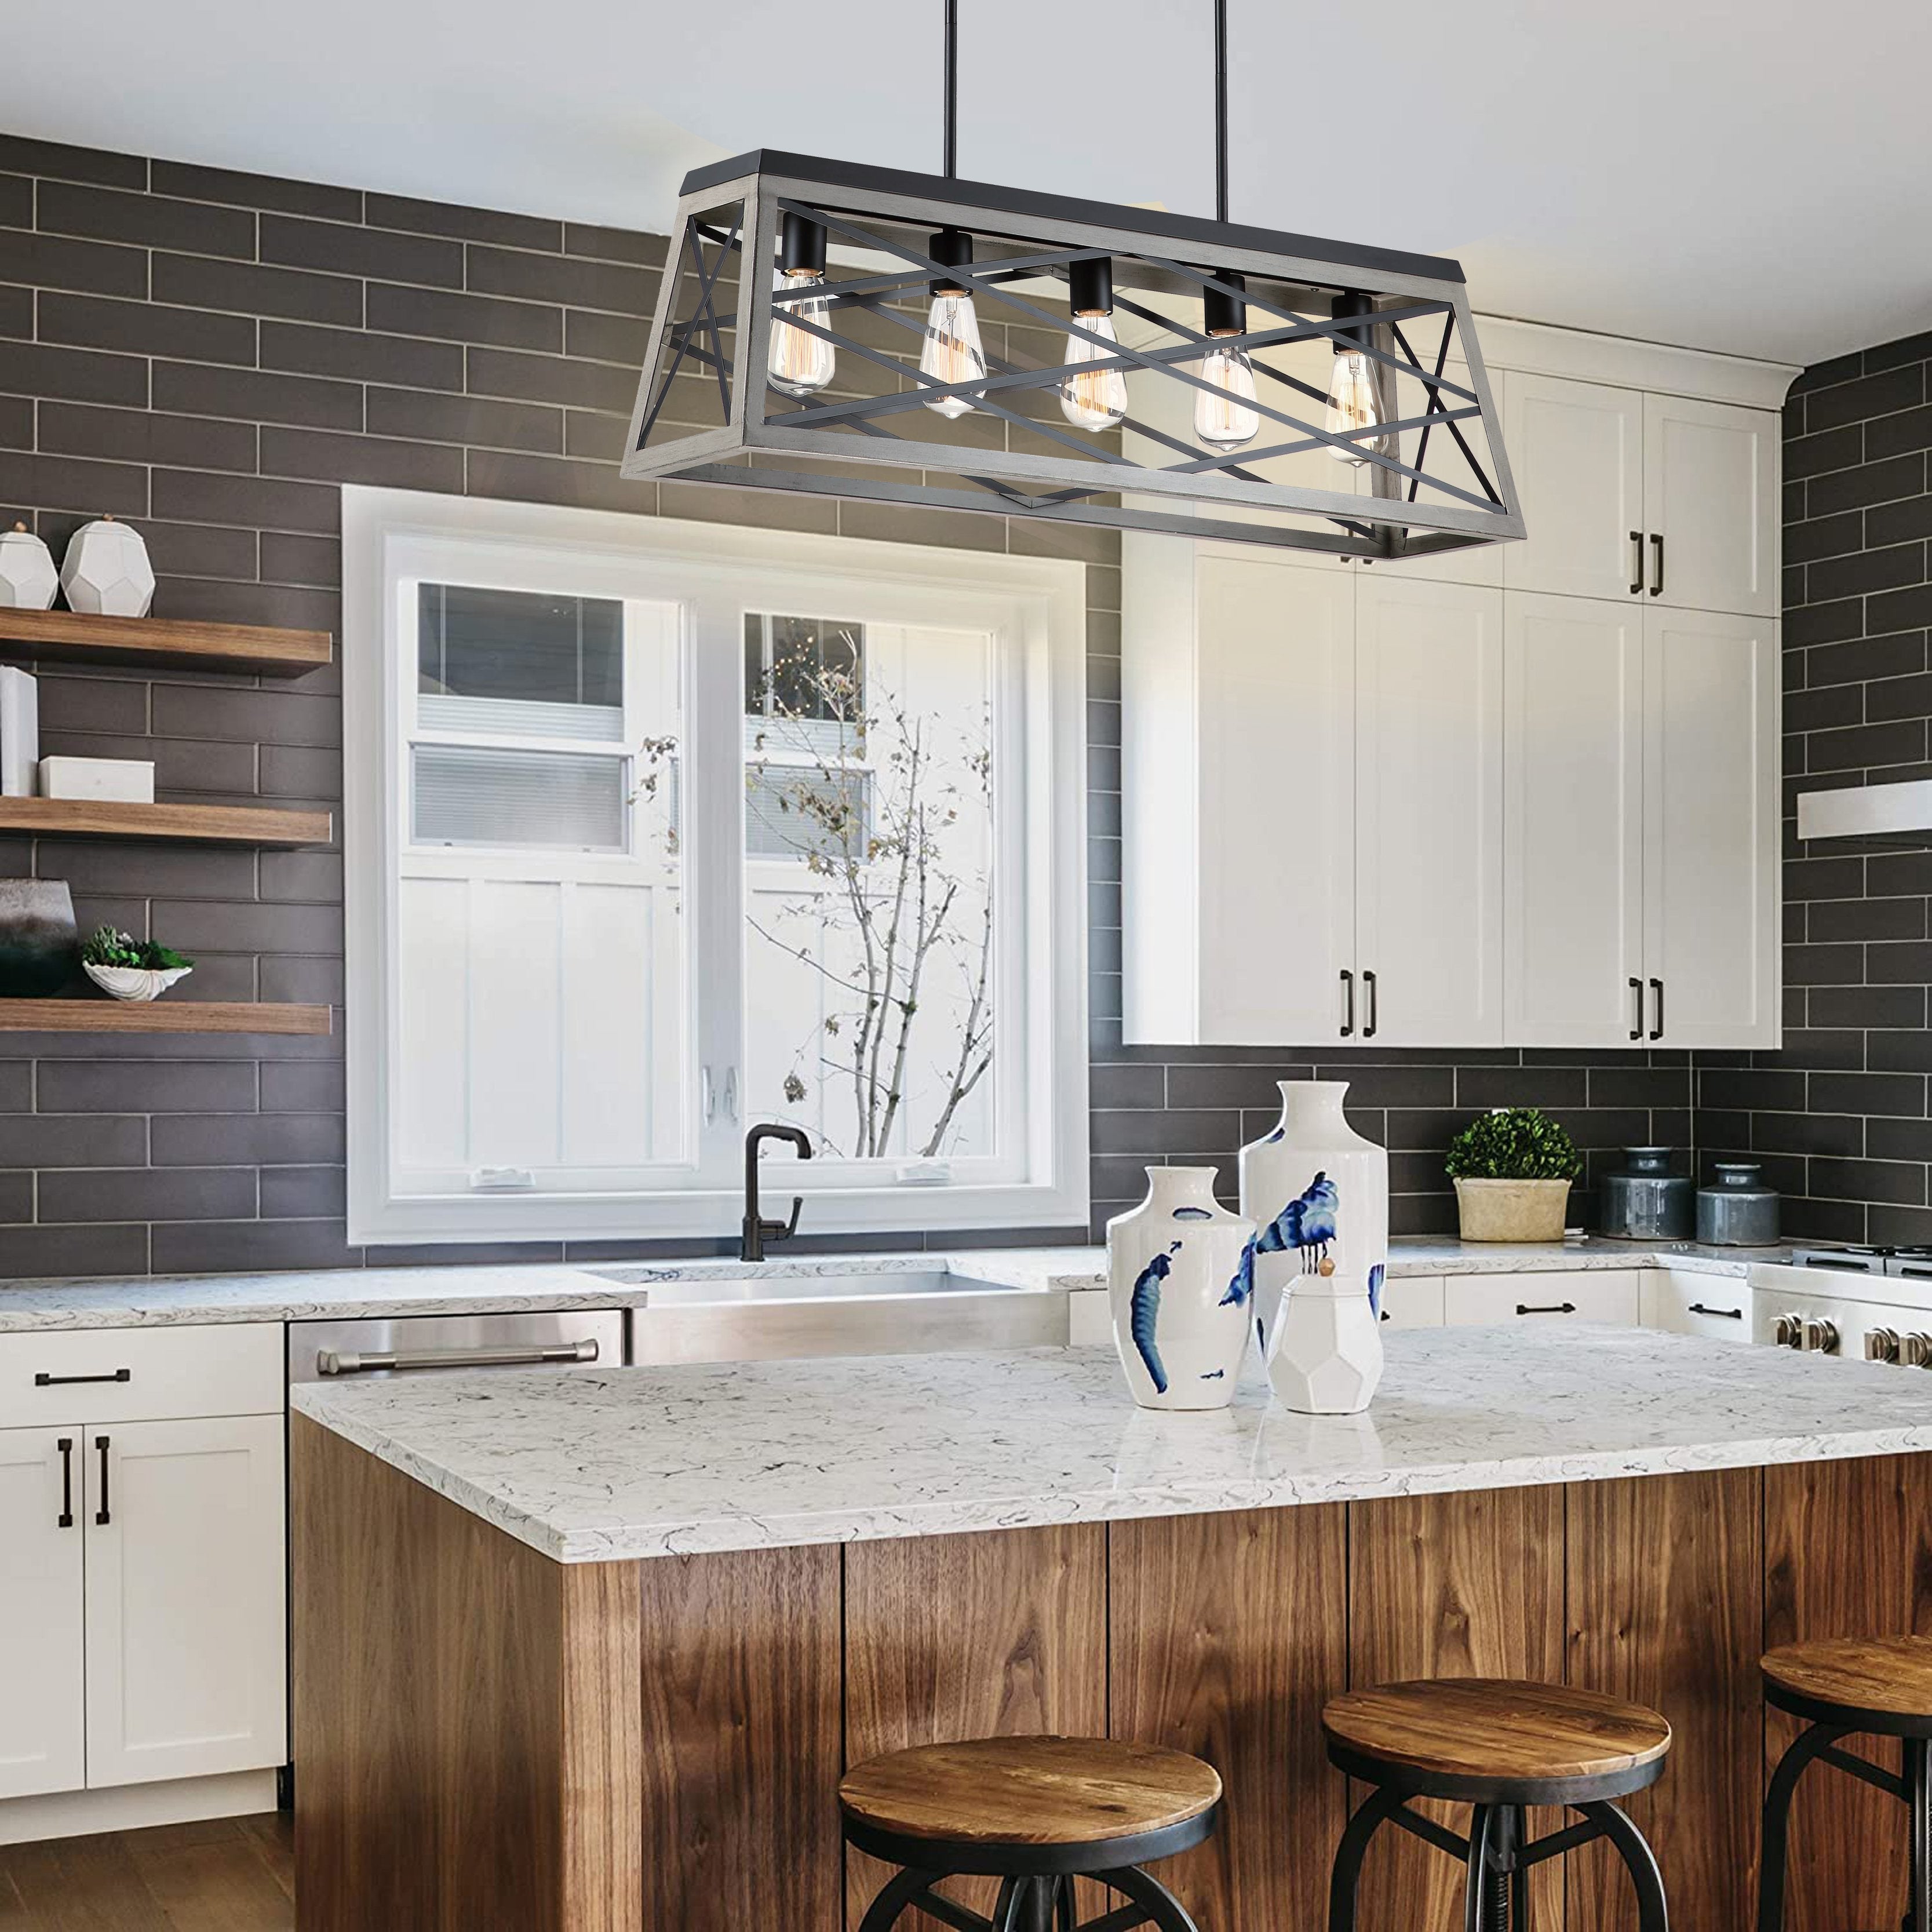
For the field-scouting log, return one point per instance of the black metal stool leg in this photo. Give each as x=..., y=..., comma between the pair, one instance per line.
x=1803, y=1749
x=1503, y=1878
x=1347, y=1874
x=1653, y=1915
x=1067, y=1916
x=1164, y=1911
x=1918, y=1803
x=1520, y=1882
x=898, y=1892
x=1476, y=1890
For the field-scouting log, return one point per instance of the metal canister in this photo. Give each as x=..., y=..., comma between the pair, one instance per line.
x=1738, y=1210
x=1644, y=1200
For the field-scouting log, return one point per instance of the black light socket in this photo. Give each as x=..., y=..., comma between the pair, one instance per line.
x=1089, y=286
x=802, y=245
x=1222, y=314
x=952, y=248
x=1350, y=304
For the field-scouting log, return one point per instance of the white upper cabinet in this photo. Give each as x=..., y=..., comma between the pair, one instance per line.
x=43, y=1712
x=1576, y=450
x=186, y=1632
x=1573, y=821
x=1237, y=783
x=1429, y=786
x=1710, y=829
x=1710, y=500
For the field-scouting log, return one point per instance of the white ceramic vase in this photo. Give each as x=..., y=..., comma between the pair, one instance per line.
x=106, y=572
x=28, y=578
x=1180, y=1272
x=1327, y=1356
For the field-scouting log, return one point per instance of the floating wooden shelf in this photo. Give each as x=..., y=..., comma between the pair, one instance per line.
x=160, y=643
x=83, y=1015
x=219, y=824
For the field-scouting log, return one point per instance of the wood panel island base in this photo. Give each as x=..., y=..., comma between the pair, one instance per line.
x=498, y=1725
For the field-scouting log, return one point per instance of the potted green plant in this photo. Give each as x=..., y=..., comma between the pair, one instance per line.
x=1512, y=1169
x=127, y=968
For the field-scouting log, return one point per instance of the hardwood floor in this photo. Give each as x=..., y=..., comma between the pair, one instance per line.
x=227, y=1875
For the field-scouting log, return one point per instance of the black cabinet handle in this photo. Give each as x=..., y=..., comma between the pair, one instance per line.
x=1637, y=993
x=1729, y=1314
x=65, y=1446
x=44, y=1381
x=1554, y=1308
x=1348, y=1010
x=1657, y=564
x=1657, y=988
x=100, y=1516
x=1375, y=1005
x=1636, y=562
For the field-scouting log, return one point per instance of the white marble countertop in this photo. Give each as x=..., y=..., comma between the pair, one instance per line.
x=351, y=1294
x=592, y=1464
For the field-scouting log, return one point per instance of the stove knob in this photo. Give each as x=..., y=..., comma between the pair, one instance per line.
x=1914, y=1350
x=1788, y=1331
x=1821, y=1336
x=1882, y=1344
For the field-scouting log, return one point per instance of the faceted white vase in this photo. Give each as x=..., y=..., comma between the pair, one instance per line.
x=1179, y=1269
x=28, y=578
x=1317, y=1192
x=106, y=571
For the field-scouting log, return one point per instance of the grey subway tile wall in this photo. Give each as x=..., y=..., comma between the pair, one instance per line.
x=1839, y=1117
x=212, y=354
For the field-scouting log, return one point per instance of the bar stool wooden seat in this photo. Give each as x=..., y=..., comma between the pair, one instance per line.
x=1035, y=1812
x=1499, y=1746
x=1843, y=1687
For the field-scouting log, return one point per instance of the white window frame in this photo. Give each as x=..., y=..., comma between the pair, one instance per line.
x=1035, y=608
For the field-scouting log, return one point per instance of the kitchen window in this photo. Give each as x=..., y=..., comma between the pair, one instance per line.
x=659, y=829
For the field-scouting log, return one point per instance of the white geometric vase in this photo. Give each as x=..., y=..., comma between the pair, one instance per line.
x=1180, y=1269
x=28, y=578
x=106, y=571
x=1328, y=1355
x=1318, y=1193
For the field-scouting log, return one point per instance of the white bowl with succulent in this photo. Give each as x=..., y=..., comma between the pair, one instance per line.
x=127, y=968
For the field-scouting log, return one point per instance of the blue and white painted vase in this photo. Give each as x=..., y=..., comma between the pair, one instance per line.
x=1317, y=1191
x=1180, y=1268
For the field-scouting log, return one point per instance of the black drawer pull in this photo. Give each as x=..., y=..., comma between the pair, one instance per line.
x=1553, y=1308
x=1729, y=1314
x=45, y=1381
x=65, y=1445
x=100, y=1516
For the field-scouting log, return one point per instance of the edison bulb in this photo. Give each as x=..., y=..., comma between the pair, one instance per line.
x=1225, y=416
x=1354, y=403
x=951, y=353
x=800, y=364
x=1096, y=399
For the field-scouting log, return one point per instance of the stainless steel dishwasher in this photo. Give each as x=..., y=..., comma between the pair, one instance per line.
x=320, y=1352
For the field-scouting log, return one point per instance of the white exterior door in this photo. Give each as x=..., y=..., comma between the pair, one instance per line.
x=1709, y=494
x=187, y=1640
x=1573, y=821
x=1576, y=450
x=1276, y=692
x=1711, y=829
x=1429, y=784
x=43, y=1724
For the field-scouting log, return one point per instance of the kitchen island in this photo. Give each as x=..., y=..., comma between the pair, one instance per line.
x=590, y=1650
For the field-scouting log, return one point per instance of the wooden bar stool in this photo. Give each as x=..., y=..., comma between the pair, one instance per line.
x=1036, y=1813
x=1881, y=1686
x=1499, y=1747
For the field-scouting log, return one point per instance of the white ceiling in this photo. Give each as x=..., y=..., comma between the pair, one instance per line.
x=1754, y=176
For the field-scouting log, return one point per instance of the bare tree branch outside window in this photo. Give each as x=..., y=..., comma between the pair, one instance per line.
x=863, y=790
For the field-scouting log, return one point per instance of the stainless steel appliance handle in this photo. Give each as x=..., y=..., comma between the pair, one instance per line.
x=351, y=1362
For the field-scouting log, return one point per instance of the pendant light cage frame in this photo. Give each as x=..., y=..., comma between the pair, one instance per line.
x=1431, y=475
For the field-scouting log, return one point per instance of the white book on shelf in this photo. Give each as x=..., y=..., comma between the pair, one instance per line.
x=19, y=732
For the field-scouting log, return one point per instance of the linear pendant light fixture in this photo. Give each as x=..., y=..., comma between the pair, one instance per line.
x=822, y=328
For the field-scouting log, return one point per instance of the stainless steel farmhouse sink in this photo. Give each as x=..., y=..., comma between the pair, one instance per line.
x=756, y=1315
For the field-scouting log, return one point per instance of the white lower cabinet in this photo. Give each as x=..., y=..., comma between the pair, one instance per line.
x=1685, y=1304
x=1412, y=1301
x=143, y=1621
x=185, y=1618
x=1545, y=1294
x=43, y=1712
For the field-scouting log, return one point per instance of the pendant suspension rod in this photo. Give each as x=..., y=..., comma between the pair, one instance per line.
x=1220, y=109
x=952, y=169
